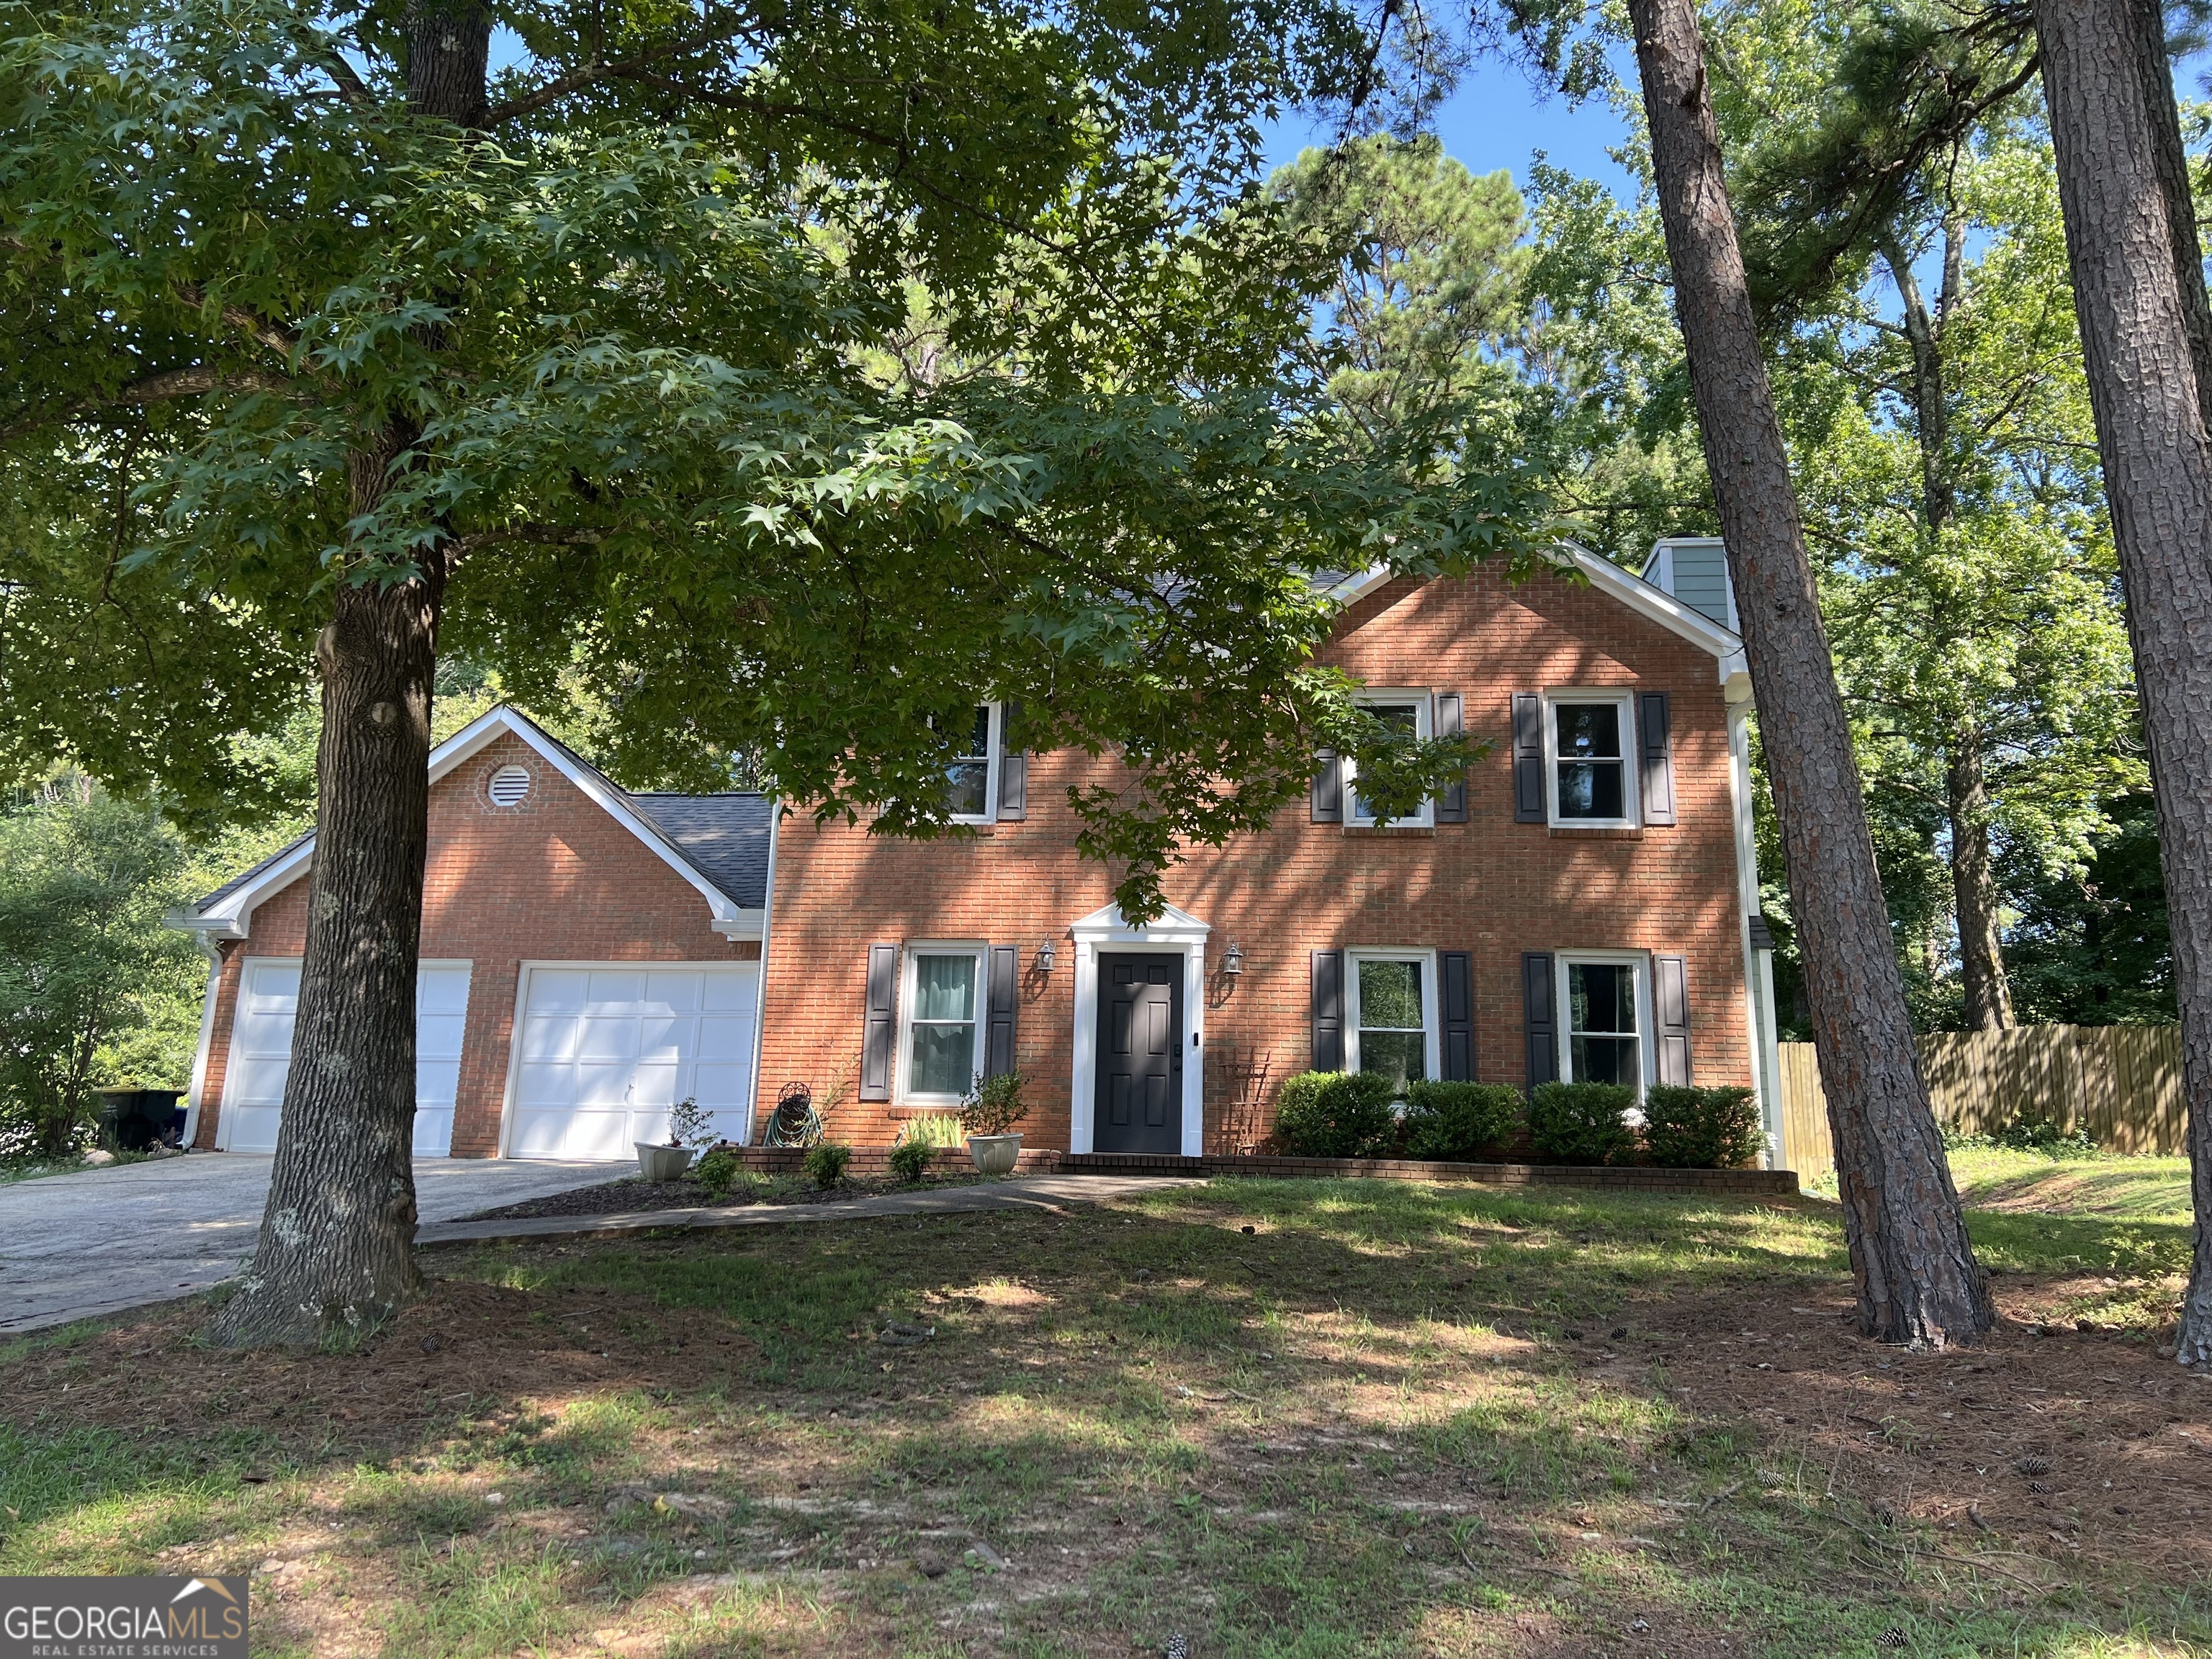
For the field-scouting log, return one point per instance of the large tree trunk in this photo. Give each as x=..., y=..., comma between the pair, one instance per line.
x=336, y=1253
x=1974, y=887
x=2109, y=118
x=1917, y=1281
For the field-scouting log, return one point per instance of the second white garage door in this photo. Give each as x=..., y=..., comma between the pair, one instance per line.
x=602, y=1053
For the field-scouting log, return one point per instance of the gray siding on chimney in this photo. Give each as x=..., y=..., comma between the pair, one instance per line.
x=1701, y=580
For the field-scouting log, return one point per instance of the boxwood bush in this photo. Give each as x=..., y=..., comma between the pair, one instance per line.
x=1460, y=1121
x=1336, y=1115
x=1582, y=1122
x=1686, y=1128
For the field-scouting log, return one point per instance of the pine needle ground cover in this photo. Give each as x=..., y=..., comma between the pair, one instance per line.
x=1385, y=1419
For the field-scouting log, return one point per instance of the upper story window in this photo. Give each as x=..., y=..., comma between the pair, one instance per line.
x=1393, y=1014
x=972, y=779
x=1403, y=714
x=1589, y=735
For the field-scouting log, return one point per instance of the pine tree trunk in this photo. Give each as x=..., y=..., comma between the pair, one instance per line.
x=336, y=1253
x=2109, y=114
x=1974, y=888
x=1917, y=1281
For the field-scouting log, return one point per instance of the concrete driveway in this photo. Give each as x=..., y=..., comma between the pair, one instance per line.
x=74, y=1246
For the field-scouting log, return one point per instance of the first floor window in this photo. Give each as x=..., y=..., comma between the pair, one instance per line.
x=967, y=778
x=1604, y=1044
x=941, y=1060
x=1589, y=761
x=1393, y=998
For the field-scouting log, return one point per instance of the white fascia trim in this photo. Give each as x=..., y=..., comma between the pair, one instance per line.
x=1647, y=600
x=1176, y=931
x=229, y=921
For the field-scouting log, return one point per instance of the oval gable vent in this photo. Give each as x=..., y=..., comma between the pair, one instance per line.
x=508, y=786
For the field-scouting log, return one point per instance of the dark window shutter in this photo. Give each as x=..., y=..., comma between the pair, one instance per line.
x=1329, y=1011
x=1459, y=1015
x=1539, y=1018
x=999, y=1040
x=1013, y=768
x=1450, y=721
x=1671, y=1004
x=1527, y=757
x=1655, y=724
x=1328, y=788
x=879, y=1036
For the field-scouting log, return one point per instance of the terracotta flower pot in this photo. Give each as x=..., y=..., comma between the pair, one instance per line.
x=663, y=1163
x=995, y=1155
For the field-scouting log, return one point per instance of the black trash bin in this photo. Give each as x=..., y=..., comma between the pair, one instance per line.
x=135, y=1119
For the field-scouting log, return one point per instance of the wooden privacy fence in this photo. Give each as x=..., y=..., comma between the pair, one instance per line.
x=2120, y=1082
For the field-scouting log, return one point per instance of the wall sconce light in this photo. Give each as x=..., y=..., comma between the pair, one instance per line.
x=1232, y=961
x=1047, y=957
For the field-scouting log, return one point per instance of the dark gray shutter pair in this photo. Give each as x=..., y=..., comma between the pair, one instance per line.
x=1540, y=1020
x=1457, y=1007
x=879, y=1030
x=1013, y=768
x=1655, y=748
x=1448, y=719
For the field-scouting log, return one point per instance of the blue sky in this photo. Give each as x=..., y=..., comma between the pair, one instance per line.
x=1498, y=120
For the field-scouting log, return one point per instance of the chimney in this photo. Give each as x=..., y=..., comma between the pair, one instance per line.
x=1694, y=569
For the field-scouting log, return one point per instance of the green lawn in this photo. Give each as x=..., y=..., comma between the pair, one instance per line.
x=1389, y=1419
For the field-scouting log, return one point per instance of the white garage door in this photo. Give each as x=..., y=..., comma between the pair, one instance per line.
x=261, y=1052
x=604, y=1052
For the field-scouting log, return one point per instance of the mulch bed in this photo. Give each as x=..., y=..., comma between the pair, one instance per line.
x=625, y=1196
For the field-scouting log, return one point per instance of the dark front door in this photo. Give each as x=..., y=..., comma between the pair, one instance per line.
x=1140, y=1043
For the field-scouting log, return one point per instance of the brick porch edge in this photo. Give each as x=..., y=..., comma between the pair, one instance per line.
x=1628, y=1177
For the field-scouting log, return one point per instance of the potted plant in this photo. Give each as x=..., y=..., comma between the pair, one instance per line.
x=994, y=1106
x=689, y=1129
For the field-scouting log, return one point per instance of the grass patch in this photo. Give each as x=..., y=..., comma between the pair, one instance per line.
x=1391, y=1419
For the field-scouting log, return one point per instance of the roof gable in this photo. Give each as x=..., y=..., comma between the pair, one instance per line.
x=717, y=844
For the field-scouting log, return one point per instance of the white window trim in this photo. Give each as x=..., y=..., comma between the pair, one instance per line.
x=994, y=745
x=1424, y=723
x=1632, y=774
x=1646, y=1051
x=979, y=950
x=1433, y=1038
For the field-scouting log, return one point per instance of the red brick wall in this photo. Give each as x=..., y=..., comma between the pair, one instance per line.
x=553, y=878
x=1491, y=886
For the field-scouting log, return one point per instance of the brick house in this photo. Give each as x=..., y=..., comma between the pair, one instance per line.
x=1584, y=905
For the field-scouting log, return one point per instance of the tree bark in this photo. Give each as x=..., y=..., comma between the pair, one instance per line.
x=2110, y=122
x=336, y=1253
x=1974, y=887
x=1916, y=1277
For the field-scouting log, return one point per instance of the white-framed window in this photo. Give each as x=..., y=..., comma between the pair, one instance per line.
x=971, y=777
x=1590, y=758
x=941, y=1027
x=1406, y=713
x=1391, y=1020
x=1605, y=1017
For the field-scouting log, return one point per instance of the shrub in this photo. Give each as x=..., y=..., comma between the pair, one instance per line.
x=1460, y=1121
x=1336, y=1115
x=826, y=1161
x=933, y=1129
x=717, y=1171
x=1582, y=1122
x=690, y=1124
x=910, y=1159
x=1686, y=1128
x=994, y=1105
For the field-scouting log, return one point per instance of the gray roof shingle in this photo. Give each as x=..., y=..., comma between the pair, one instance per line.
x=724, y=837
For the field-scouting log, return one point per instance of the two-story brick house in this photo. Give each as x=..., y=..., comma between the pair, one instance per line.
x=1583, y=906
